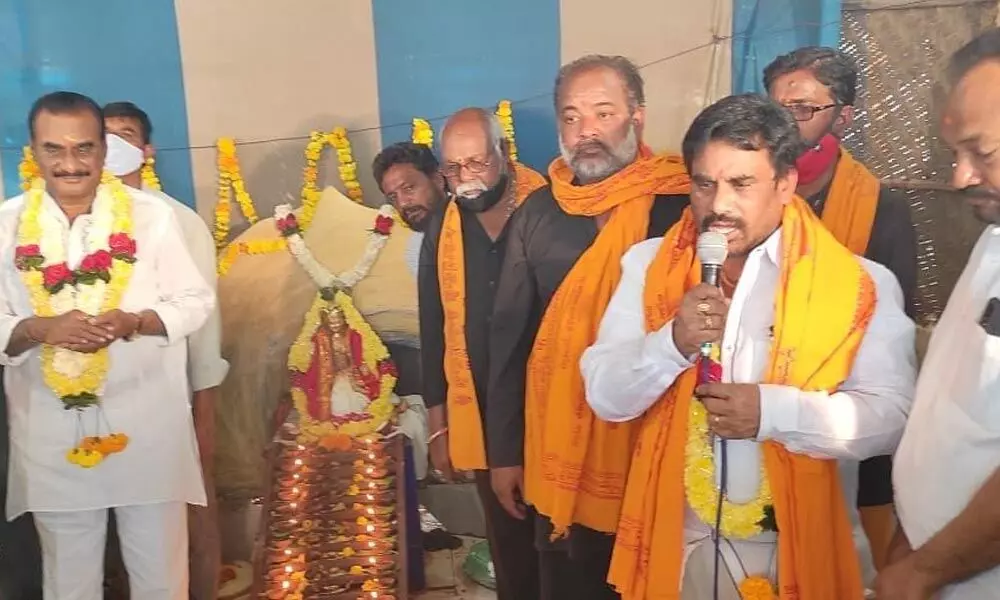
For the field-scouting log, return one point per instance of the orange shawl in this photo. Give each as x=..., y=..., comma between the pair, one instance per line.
x=850, y=204
x=823, y=305
x=466, y=446
x=575, y=466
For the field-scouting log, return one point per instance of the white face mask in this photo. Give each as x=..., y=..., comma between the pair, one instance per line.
x=123, y=158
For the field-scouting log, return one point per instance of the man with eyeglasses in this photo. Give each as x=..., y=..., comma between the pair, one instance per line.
x=463, y=250
x=819, y=86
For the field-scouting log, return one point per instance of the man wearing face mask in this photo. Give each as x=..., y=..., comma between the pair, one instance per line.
x=459, y=268
x=547, y=451
x=818, y=86
x=129, y=139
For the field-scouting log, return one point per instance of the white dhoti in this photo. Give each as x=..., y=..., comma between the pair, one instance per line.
x=154, y=545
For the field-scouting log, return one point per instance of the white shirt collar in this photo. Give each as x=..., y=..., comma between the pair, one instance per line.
x=770, y=248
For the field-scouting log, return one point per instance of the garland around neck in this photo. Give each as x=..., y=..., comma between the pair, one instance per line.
x=95, y=286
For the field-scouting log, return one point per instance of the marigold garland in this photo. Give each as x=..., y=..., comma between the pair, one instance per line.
x=148, y=173
x=310, y=191
x=739, y=521
x=348, y=168
x=249, y=248
x=28, y=168
x=505, y=114
x=375, y=357
x=95, y=286
x=230, y=177
x=422, y=132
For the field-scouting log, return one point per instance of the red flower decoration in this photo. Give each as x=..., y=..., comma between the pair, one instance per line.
x=28, y=257
x=98, y=262
x=123, y=247
x=288, y=225
x=56, y=276
x=27, y=251
x=387, y=367
x=383, y=225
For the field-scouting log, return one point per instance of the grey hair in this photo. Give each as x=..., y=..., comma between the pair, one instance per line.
x=625, y=68
x=494, y=129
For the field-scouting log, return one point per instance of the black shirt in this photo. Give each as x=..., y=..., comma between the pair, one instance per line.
x=893, y=245
x=543, y=246
x=483, y=259
x=893, y=242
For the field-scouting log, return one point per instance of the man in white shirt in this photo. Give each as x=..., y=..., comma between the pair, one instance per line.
x=795, y=407
x=946, y=476
x=97, y=298
x=130, y=149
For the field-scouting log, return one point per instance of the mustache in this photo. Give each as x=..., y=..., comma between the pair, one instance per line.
x=716, y=218
x=413, y=211
x=470, y=189
x=71, y=174
x=592, y=144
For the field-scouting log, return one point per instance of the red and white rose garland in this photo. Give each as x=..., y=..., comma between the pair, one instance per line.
x=95, y=286
x=290, y=229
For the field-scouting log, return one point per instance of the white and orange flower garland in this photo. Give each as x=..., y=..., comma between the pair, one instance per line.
x=94, y=287
x=334, y=291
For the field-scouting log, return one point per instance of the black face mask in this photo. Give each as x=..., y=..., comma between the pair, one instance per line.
x=486, y=200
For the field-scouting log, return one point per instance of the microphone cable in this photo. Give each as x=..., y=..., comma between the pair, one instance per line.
x=723, y=468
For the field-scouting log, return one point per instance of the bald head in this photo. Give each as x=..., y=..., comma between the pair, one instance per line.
x=473, y=152
x=470, y=131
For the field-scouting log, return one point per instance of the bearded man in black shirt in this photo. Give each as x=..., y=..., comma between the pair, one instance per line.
x=551, y=460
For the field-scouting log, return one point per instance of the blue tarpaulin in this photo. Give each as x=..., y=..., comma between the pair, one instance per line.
x=765, y=29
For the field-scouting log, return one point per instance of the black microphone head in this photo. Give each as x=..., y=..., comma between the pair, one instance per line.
x=712, y=248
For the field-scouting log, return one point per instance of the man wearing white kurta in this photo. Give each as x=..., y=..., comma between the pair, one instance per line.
x=129, y=138
x=947, y=469
x=145, y=394
x=629, y=368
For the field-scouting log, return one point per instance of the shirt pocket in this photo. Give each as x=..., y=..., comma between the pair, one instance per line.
x=976, y=380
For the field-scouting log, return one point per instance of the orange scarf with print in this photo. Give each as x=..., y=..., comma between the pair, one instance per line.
x=849, y=210
x=466, y=446
x=824, y=302
x=575, y=466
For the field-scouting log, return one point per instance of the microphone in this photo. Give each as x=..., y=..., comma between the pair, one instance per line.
x=712, y=250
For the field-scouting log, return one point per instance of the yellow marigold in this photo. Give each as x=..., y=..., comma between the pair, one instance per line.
x=148, y=174
x=505, y=115
x=28, y=169
x=251, y=248
x=422, y=133
x=756, y=588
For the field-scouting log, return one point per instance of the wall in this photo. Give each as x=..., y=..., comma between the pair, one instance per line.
x=686, y=64
x=107, y=50
x=267, y=73
x=765, y=29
